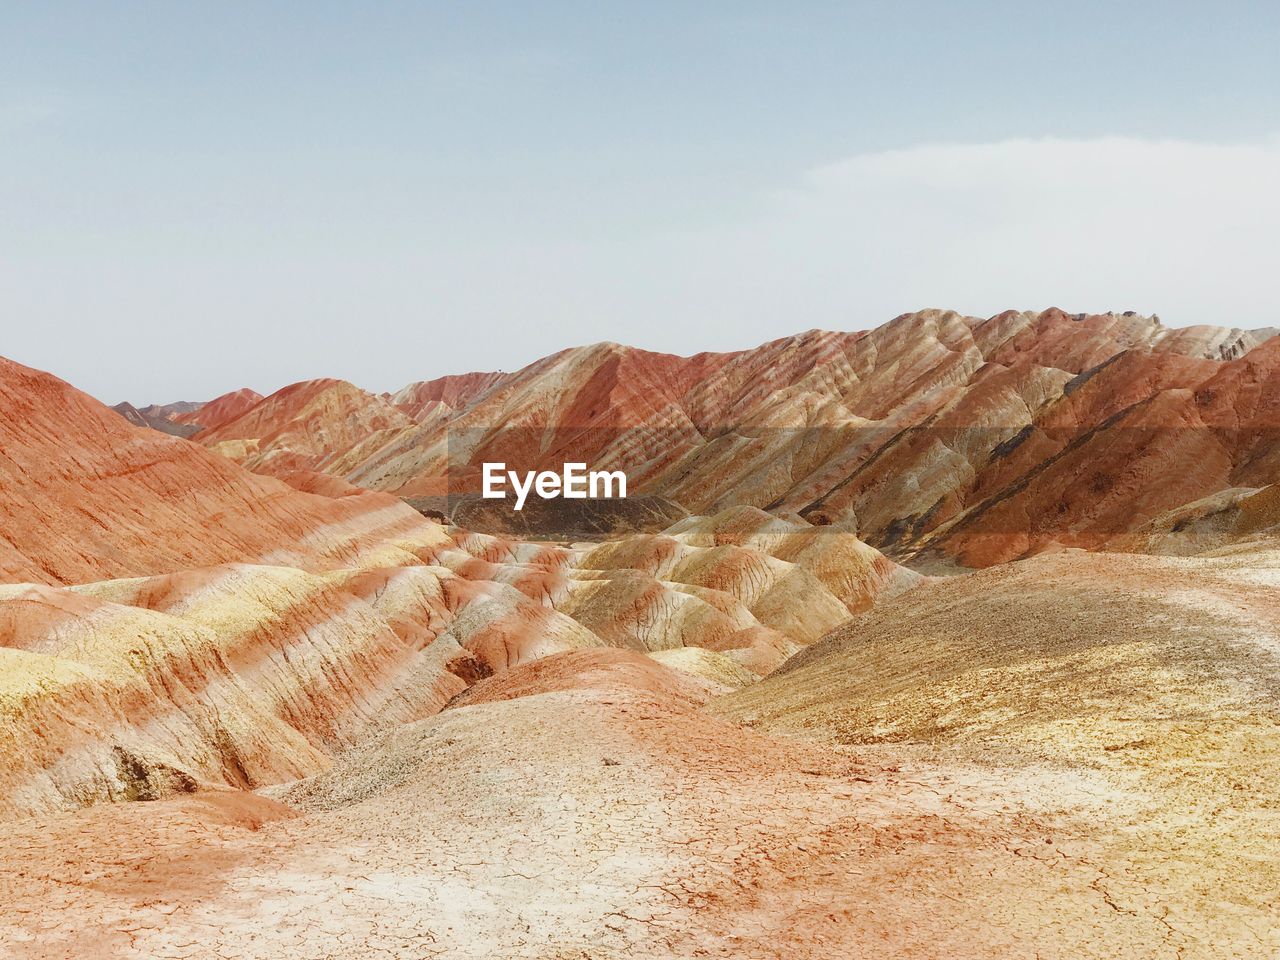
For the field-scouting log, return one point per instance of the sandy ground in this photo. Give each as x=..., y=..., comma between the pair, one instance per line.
x=1154, y=681
x=589, y=824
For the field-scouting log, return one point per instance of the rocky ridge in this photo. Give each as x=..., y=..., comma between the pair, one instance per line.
x=955, y=439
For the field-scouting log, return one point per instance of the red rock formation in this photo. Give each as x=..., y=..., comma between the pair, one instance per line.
x=1012, y=763
x=1139, y=436
x=86, y=496
x=444, y=395
x=976, y=439
x=309, y=481
x=246, y=674
x=220, y=410
x=354, y=613
x=313, y=425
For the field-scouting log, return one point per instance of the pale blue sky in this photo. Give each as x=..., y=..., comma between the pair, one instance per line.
x=199, y=197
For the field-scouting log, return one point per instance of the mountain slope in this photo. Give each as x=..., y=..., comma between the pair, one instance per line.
x=467, y=745
x=311, y=425
x=444, y=395
x=961, y=438
x=85, y=495
x=227, y=629
x=1155, y=681
x=219, y=410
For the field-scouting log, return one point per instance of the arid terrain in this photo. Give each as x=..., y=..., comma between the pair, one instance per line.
x=956, y=638
x=1011, y=432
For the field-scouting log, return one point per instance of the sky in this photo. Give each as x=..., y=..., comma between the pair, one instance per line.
x=199, y=197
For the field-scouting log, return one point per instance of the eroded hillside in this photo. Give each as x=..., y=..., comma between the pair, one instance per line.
x=256, y=716
x=961, y=439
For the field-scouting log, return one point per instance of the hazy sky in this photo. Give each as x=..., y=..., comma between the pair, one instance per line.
x=196, y=197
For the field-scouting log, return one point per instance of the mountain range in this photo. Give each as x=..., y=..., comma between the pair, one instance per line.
x=952, y=638
x=937, y=437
